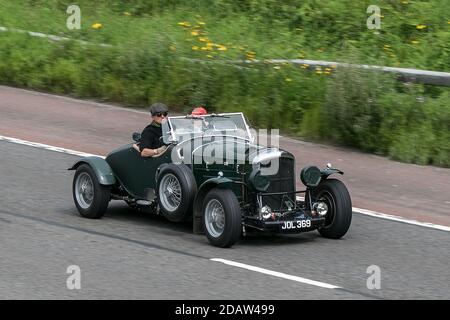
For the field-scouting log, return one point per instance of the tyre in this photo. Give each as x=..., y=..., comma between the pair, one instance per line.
x=91, y=198
x=176, y=188
x=221, y=217
x=337, y=221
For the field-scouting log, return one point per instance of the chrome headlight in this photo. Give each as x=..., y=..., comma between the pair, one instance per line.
x=266, y=212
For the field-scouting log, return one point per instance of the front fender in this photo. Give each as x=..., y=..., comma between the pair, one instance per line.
x=101, y=168
x=329, y=171
x=219, y=182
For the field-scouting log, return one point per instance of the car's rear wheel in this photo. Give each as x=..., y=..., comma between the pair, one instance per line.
x=176, y=191
x=91, y=198
x=339, y=208
x=222, y=217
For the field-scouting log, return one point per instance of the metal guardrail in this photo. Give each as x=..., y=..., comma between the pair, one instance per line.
x=405, y=74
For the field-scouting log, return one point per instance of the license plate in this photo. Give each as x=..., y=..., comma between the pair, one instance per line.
x=299, y=224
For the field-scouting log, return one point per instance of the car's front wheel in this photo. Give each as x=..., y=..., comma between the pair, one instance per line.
x=222, y=217
x=339, y=208
x=91, y=198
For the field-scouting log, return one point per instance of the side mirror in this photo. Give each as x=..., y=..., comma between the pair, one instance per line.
x=136, y=137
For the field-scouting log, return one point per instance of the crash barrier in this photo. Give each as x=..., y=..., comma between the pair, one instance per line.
x=405, y=74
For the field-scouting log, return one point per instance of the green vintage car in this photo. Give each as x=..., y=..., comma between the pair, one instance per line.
x=216, y=172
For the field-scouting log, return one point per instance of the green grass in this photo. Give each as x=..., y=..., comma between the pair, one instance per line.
x=145, y=64
x=313, y=29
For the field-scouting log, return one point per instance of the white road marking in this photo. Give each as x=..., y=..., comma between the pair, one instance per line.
x=400, y=219
x=394, y=218
x=48, y=147
x=276, y=274
x=358, y=210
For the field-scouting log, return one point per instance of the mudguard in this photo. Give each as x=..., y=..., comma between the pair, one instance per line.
x=329, y=171
x=101, y=168
x=220, y=182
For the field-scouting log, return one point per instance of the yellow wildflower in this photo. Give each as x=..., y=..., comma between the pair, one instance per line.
x=202, y=39
x=221, y=47
x=184, y=24
x=195, y=48
x=201, y=23
x=96, y=26
x=194, y=33
x=318, y=72
x=421, y=26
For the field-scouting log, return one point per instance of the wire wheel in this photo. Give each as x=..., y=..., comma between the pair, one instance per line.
x=84, y=190
x=214, y=218
x=170, y=192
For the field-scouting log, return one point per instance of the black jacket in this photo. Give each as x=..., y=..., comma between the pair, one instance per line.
x=150, y=137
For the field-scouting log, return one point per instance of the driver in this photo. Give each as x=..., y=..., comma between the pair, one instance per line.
x=151, y=144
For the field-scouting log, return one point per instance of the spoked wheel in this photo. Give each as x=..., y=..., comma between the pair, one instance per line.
x=170, y=192
x=339, y=208
x=214, y=218
x=90, y=197
x=176, y=189
x=222, y=219
x=84, y=190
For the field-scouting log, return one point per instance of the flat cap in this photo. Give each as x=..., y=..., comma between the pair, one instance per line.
x=157, y=108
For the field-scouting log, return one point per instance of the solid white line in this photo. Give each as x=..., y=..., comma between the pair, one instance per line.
x=357, y=210
x=400, y=219
x=276, y=274
x=394, y=218
x=48, y=147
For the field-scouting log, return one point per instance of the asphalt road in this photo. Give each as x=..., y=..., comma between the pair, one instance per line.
x=132, y=255
x=414, y=192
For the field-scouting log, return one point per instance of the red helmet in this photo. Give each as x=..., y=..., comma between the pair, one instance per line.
x=199, y=111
